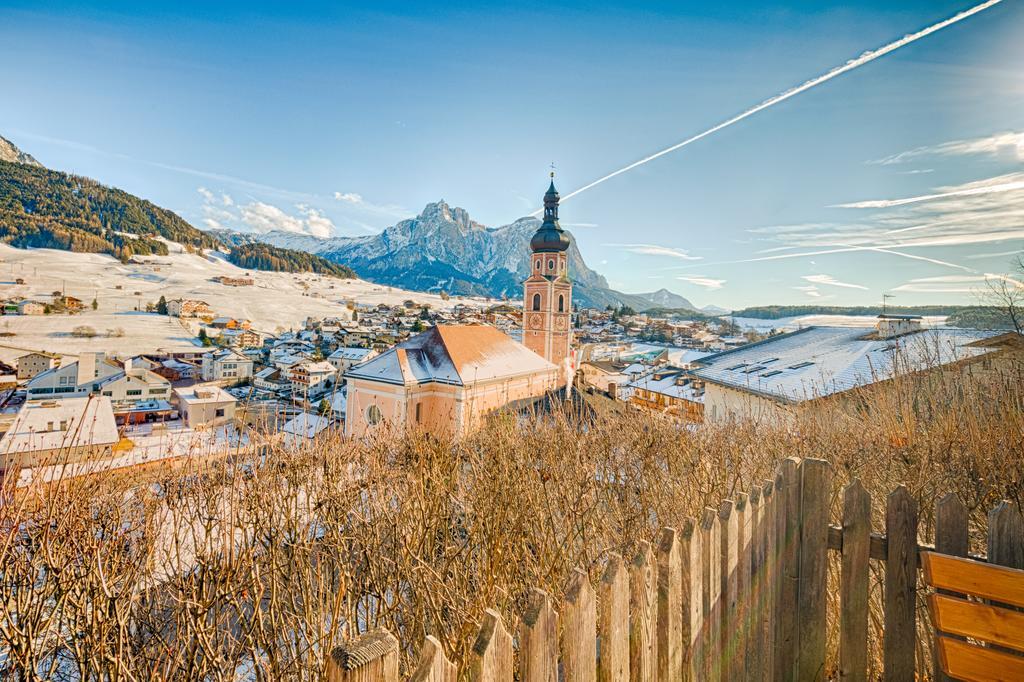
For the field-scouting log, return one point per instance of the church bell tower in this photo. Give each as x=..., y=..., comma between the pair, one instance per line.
x=547, y=293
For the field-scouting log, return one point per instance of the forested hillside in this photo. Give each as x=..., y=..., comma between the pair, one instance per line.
x=267, y=257
x=48, y=209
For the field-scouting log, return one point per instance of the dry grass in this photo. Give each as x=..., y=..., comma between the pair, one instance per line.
x=256, y=567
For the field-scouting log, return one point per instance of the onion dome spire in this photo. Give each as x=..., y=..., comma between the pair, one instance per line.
x=550, y=236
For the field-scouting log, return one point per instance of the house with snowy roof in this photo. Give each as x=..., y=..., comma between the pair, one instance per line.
x=771, y=380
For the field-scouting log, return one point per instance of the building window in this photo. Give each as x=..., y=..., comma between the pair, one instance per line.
x=134, y=391
x=538, y=264
x=373, y=415
x=536, y=301
x=219, y=412
x=561, y=303
x=418, y=412
x=551, y=265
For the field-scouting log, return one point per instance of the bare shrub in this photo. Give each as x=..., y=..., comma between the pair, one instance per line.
x=256, y=565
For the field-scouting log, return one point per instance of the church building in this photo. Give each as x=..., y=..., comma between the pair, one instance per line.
x=449, y=377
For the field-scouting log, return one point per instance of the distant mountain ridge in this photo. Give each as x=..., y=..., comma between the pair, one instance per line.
x=443, y=248
x=11, y=154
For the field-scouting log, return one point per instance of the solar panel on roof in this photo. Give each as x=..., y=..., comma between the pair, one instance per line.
x=765, y=362
x=801, y=365
x=736, y=367
x=771, y=373
x=755, y=368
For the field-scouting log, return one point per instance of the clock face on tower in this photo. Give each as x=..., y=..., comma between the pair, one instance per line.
x=535, y=321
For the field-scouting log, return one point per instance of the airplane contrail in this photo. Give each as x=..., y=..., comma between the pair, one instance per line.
x=864, y=58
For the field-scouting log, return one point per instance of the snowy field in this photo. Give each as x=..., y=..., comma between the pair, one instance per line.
x=278, y=300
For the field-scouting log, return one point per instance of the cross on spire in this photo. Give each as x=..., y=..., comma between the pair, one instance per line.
x=552, y=169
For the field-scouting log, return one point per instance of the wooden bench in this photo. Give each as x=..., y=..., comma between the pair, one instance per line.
x=977, y=640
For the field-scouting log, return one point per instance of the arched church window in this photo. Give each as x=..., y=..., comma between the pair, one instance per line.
x=536, y=301
x=561, y=303
x=538, y=263
x=551, y=265
x=373, y=415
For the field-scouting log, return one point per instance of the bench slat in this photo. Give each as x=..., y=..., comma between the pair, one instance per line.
x=976, y=664
x=978, y=621
x=997, y=583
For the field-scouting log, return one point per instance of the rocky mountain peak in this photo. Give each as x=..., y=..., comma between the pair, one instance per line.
x=10, y=153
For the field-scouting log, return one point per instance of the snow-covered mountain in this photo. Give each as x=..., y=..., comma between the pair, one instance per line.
x=444, y=249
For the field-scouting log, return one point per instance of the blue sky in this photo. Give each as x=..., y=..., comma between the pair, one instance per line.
x=335, y=119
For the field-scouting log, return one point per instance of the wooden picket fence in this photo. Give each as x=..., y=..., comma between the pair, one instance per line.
x=739, y=594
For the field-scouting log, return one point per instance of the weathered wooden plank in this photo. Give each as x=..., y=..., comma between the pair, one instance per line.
x=853, y=584
x=579, y=630
x=900, y=586
x=643, y=615
x=769, y=521
x=788, y=563
x=742, y=612
x=538, y=639
x=670, y=607
x=372, y=657
x=729, y=577
x=755, y=617
x=950, y=538
x=1006, y=536
x=953, y=615
x=613, y=622
x=972, y=663
x=491, y=659
x=977, y=579
x=711, y=587
x=691, y=578
x=812, y=598
x=433, y=665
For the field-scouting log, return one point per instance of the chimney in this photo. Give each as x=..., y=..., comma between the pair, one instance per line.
x=128, y=365
x=612, y=390
x=87, y=368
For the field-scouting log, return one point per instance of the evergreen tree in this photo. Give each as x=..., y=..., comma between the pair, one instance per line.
x=95, y=304
x=325, y=408
x=161, y=306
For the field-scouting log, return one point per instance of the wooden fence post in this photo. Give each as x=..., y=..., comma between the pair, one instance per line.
x=1006, y=536
x=743, y=607
x=729, y=580
x=787, y=507
x=691, y=579
x=579, y=630
x=950, y=538
x=900, y=586
x=853, y=583
x=643, y=615
x=769, y=584
x=613, y=623
x=711, y=588
x=538, y=639
x=670, y=608
x=433, y=666
x=755, y=615
x=812, y=597
x=372, y=657
x=491, y=658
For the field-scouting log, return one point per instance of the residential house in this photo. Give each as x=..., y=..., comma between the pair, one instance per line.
x=343, y=358
x=303, y=428
x=64, y=430
x=32, y=364
x=78, y=378
x=27, y=307
x=134, y=385
x=226, y=364
x=183, y=307
x=670, y=391
x=205, y=405
x=310, y=378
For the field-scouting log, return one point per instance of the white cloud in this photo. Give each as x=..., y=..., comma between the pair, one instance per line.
x=1006, y=143
x=706, y=282
x=973, y=190
x=349, y=197
x=227, y=200
x=832, y=282
x=954, y=284
x=206, y=194
x=656, y=250
x=263, y=217
x=317, y=224
x=810, y=290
